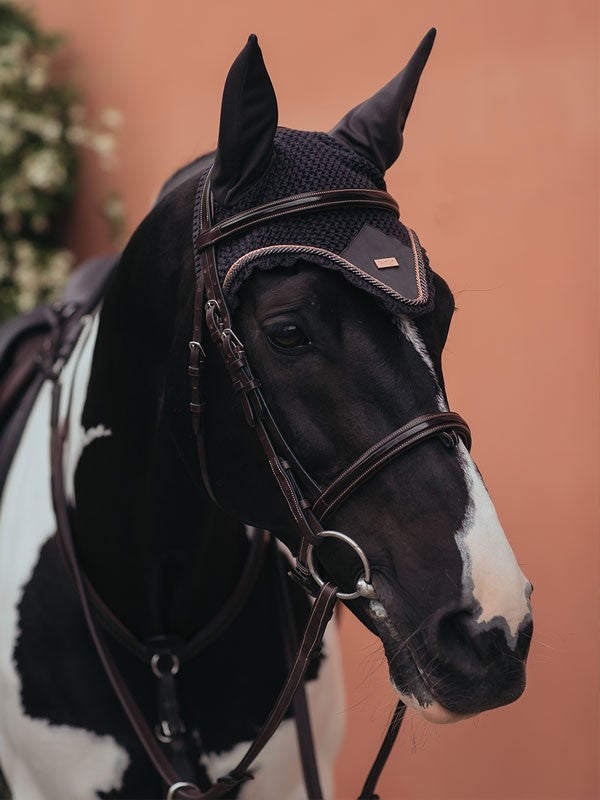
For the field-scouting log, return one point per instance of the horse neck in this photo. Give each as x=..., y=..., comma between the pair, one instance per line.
x=156, y=548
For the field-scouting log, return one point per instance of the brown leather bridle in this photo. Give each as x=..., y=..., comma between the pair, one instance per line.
x=309, y=503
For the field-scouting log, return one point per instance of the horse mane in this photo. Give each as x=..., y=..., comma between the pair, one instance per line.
x=193, y=168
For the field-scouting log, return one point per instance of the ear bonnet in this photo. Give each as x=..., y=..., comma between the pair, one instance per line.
x=257, y=162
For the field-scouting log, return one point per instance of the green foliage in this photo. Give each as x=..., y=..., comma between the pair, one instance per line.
x=42, y=126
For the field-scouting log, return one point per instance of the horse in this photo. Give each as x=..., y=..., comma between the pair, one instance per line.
x=146, y=529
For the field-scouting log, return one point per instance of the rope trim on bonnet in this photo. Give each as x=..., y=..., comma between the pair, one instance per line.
x=296, y=249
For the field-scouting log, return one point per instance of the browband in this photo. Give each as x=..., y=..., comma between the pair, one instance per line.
x=298, y=204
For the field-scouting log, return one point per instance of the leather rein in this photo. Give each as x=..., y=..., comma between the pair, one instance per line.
x=309, y=503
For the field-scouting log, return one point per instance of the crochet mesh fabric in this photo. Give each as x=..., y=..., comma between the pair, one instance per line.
x=305, y=161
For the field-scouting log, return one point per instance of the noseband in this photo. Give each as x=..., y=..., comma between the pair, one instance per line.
x=309, y=503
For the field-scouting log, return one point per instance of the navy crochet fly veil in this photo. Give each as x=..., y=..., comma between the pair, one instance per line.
x=257, y=162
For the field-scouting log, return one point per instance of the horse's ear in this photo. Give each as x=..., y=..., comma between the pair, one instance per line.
x=374, y=128
x=248, y=125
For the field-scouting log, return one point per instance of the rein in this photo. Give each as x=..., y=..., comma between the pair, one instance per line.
x=308, y=502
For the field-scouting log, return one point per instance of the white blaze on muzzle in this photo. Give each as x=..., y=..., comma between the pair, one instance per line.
x=491, y=578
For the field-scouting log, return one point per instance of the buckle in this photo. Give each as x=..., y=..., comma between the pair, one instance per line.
x=177, y=787
x=172, y=669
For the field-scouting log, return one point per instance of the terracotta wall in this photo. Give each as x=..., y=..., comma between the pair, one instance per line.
x=500, y=178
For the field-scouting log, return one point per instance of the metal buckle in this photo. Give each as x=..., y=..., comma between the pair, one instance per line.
x=155, y=661
x=234, y=346
x=196, y=345
x=176, y=787
x=364, y=587
x=214, y=316
x=162, y=731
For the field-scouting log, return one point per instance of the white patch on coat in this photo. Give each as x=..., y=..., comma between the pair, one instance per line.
x=409, y=329
x=78, y=438
x=277, y=770
x=491, y=575
x=41, y=760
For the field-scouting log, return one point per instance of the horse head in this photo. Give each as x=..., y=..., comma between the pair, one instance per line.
x=344, y=324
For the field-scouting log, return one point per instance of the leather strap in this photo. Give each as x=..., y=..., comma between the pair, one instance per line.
x=294, y=482
x=306, y=745
x=231, y=349
x=185, y=650
x=292, y=479
x=380, y=454
x=130, y=707
x=368, y=790
x=298, y=204
x=320, y=615
x=313, y=634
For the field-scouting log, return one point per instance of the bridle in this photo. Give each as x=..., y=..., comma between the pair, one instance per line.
x=310, y=504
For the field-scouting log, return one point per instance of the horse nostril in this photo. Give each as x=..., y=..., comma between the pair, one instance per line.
x=465, y=648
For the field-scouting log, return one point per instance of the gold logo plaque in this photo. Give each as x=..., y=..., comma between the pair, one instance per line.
x=385, y=263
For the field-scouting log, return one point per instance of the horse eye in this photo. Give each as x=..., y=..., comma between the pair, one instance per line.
x=288, y=337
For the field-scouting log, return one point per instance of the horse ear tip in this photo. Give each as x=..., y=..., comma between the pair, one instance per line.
x=252, y=40
x=429, y=38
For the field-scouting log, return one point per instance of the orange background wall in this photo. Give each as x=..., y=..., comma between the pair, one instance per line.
x=500, y=178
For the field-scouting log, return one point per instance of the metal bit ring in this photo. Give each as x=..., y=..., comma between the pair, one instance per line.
x=364, y=587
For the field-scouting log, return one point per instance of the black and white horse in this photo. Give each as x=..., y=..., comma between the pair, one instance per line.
x=343, y=360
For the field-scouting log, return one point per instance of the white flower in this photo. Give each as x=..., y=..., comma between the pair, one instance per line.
x=103, y=144
x=50, y=130
x=26, y=299
x=14, y=52
x=37, y=77
x=44, y=170
x=8, y=111
x=30, y=122
x=113, y=207
x=25, y=254
x=76, y=134
x=111, y=118
x=27, y=278
x=9, y=73
x=58, y=268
